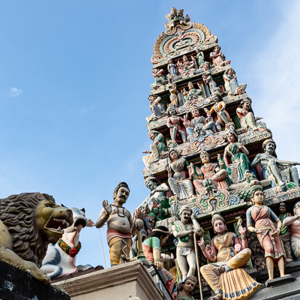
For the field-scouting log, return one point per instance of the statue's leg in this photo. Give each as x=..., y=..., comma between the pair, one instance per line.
x=211, y=278
x=295, y=175
x=270, y=267
x=197, y=184
x=183, y=136
x=275, y=172
x=280, y=265
x=174, y=187
x=191, y=260
x=188, y=187
x=155, y=152
x=250, y=120
x=174, y=133
x=295, y=244
x=115, y=245
x=218, y=125
x=182, y=263
x=239, y=260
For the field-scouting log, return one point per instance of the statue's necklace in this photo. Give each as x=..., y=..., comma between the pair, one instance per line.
x=117, y=207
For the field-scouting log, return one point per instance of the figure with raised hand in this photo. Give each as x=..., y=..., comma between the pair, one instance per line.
x=228, y=254
x=184, y=230
x=120, y=224
x=279, y=171
x=175, y=125
x=260, y=219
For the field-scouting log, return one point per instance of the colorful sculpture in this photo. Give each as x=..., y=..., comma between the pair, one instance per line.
x=171, y=67
x=185, y=290
x=211, y=171
x=183, y=230
x=181, y=186
x=285, y=235
x=278, y=171
x=196, y=126
x=210, y=84
x=228, y=254
x=260, y=220
x=156, y=107
x=158, y=145
x=218, y=110
x=120, y=225
x=246, y=116
x=231, y=84
x=152, y=252
x=218, y=57
x=238, y=154
x=294, y=227
x=28, y=223
x=176, y=126
x=159, y=75
x=186, y=68
x=60, y=259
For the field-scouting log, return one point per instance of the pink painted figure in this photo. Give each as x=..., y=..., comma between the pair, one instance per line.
x=186, y=67
x=218, y=57
x=176, y=126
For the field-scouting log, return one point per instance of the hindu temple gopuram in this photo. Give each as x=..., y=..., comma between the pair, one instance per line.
x=222, y=218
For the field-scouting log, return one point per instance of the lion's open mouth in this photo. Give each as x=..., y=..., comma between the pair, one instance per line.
x=57, y=225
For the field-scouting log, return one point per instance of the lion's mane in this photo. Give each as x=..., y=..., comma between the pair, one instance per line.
x=17, y=212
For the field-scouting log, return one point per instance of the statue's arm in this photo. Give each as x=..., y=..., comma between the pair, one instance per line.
x=255, y=161
x=103, y=217
x=181, y=233
x=289, y=220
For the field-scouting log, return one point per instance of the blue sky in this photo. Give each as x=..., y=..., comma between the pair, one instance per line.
x=74, y=83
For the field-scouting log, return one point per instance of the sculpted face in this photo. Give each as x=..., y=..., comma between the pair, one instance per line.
x=258, y=197
x=195, y=113
x=247, y=105
x=189, y=286
x=173, y=155
x=270, y=147
x=152, y=136
x=122, y=195
x=282, y=209
x=186, y=216
x=204, y=158
x=151, y=185
x=231, y=138
x=172, y=111
x=219, y=227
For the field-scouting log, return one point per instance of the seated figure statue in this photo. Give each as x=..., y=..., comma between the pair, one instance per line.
x=279, y=171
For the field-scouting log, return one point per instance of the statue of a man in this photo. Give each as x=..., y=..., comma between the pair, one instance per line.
x=294, y=228
x=246, y=116
x=158, y=145
x=158, y=195
x=183, y=230
x=272, y=168
x=120, y=225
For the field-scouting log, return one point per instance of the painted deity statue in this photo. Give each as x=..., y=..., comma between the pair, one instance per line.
x=279, y=171
x=158, y=196
x=228, y=254
x=120, y=224
x=210, y=84
x=184, y=230
x=171, y=67
x=218, y=110
x=246, y=116
x=187, y=67
x=159, y=75
x=231, y=84
x=176, y=126
x=211, y=171
x=238, y=154
x=174, y=99
x=218, y=57
x=293, y=223
x=181, y=186
x=202, y=64
x=158, y=145
x=260, y=220
x=185, y=290
x=285, y=235
x=193, y=96
x=156, y=107
x=152, y=251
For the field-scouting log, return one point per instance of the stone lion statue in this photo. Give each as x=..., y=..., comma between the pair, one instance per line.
x=28, y=223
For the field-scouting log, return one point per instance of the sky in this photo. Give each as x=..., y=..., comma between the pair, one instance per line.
x=74, y=83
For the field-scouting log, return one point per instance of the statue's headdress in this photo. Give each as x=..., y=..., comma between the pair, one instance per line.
x=216, y=216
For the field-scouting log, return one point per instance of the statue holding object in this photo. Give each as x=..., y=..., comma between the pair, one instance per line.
x=260, y=220
x=120, y=224
x=231, y=84
x=228, y=254
x=183, y=230
x=218, y=58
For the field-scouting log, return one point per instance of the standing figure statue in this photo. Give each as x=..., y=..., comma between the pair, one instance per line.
x=238, y=154
x=246, y=116
x=196, y=124
x=293, y=222
x=156, y=107
x=181, y=186
x=218, y=57
x=171, y=67
x=210, y=84
x=218, y=109
x=260, y=220
x=120, y=225
x=211, y=171
x=279, y=171
x=176, y=126
x=228, y=254
x=184, y=230
x=158, y=145
x=152, y=251
x=174, y=99
x=158, y=196
x=185, y=290
x=231, y=84
x=203, y=66
x=285, y=235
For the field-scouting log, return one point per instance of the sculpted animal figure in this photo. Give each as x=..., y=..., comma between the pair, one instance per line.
x=28, y=223
x=60, y=259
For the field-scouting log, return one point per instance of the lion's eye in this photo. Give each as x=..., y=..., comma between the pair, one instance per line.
x=48, y=205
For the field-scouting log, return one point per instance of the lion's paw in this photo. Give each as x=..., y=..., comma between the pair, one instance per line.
x=37, y=273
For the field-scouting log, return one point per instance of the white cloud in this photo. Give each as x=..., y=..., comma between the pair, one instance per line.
x=275, y=79
x=14, y=92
